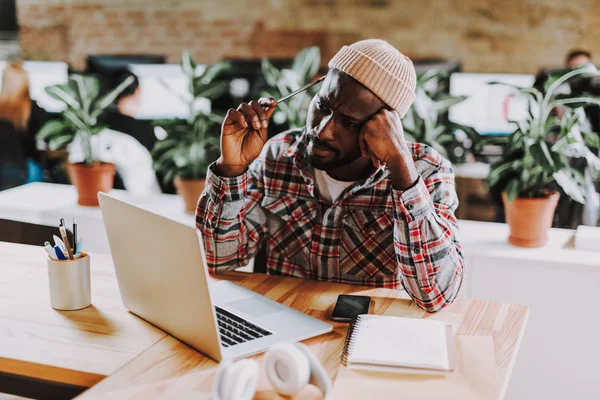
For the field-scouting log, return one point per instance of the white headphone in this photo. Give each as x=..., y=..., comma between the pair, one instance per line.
x=288, y=366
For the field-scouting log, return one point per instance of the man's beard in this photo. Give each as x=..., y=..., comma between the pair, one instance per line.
x=316, y=163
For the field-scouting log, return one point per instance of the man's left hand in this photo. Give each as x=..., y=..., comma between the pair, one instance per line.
x=382, y=139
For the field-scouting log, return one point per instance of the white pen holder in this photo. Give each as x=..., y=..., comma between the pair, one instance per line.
x=69, y=280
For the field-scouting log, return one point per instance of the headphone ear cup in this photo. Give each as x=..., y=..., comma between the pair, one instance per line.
x=287, y=368
x=318, y=374
x=236, y=381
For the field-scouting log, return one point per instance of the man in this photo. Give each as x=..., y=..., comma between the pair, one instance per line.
x=347, y=199
x=570, y=213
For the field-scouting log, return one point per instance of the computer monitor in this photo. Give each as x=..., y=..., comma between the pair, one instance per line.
x=8, y=16
x=488, y=108
x=107, y=64
x=41, y=75
x=162, y=87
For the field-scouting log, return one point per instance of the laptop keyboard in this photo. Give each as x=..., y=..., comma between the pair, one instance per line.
x=234, y=330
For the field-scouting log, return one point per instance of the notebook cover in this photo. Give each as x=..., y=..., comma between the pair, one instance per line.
x=450, y=350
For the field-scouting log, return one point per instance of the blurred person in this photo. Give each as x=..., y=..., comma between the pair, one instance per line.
x=570, y=212
x=20, y=120
x=346, y=199
x=578, y=58
x=121, y=117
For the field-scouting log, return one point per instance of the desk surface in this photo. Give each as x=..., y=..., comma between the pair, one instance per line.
x=82, y=347
x=75, y=347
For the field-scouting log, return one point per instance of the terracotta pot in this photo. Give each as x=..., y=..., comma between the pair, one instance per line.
x=89, y=180
x=190, y=190
x=530, y=219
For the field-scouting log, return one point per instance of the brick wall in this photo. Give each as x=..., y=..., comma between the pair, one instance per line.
x=486, y=35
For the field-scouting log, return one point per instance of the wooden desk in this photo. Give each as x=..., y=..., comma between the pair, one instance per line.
x=82, y=347
x=74, y=347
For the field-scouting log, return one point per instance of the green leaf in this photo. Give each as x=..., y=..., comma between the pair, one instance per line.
x=163, y=146
x=446, y=138
x=75, y=120
x=197, y=153
x=169, y=175
x=572, y=182
x=447, y=101
x=59, y=142
x=591, y=139
x=499, y=170
x=110, y=97
x=576, y=102
x=213, y=71
x=272, y=75
x=187, y=63
x=516, y=142
x=216, y=118
x=533, y=92
x=210, y=90
x=555, y=80
x=541, y=154
x=470, y=131
x=87, y=90
x=165, y=160
x=428, y=75
x=512, y=190
x=306, y=64
x=65, y=94
x=51, y=128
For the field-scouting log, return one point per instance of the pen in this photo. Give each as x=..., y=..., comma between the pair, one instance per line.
x=59, y=253
x=50, y=250
x=75, y=234
x=303, y=88
x=60, y=244
x=79, y=246
x=63, y=233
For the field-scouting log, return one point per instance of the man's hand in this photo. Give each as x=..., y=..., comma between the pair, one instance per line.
x=382, y=139
x=243, y=135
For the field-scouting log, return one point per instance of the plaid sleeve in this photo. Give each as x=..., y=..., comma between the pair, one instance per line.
x=230, y=218
x=429, y=254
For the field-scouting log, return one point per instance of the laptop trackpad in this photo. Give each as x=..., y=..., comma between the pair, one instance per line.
x=254, y=307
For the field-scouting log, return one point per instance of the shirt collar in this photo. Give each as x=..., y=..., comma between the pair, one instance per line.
x=297, y=151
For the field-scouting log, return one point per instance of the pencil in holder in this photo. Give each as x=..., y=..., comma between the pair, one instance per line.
x=70, y=286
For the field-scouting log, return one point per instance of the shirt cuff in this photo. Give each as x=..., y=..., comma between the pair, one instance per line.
x=414, y=203
x=226, y=188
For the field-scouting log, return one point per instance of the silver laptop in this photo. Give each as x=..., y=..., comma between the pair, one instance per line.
x=163, y=278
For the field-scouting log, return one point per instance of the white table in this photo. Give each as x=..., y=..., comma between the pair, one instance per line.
x=560, y=350
x=46, y=203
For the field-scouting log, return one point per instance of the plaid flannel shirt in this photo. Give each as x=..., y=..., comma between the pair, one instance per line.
x=372, y=235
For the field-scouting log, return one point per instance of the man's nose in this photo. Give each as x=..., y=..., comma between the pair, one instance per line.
x=325, y=131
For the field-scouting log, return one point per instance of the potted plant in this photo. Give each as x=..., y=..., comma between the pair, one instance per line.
x=80, y=121
x=282, y=82
x=191, y=144
x=426, y=121
x=537, y=154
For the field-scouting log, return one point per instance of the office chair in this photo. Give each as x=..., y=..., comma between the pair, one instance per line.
x=26, y=233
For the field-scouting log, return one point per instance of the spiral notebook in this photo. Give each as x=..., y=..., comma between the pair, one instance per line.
x=397, y=344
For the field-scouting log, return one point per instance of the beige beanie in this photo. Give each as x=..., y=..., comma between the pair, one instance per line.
x=380, y=68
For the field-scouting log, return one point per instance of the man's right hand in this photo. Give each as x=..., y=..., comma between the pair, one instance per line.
x=243, y=135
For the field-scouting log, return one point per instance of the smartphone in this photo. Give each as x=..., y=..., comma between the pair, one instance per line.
x=349, y=306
